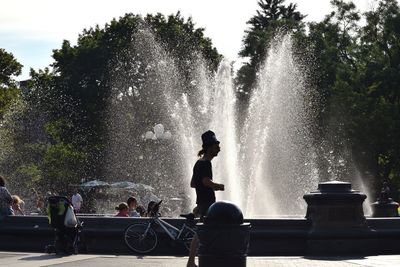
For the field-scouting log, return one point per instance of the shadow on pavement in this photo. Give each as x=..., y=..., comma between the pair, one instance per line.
x=44, y=257
x=334, y=258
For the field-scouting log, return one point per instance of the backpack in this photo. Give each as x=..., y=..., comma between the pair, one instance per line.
x=56, y=210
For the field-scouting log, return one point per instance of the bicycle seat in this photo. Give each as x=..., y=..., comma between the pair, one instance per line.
x=189, y=216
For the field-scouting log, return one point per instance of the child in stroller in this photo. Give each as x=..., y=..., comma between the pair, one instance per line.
x=67, y=237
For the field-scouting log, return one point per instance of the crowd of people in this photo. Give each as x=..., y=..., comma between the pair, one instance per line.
x=131, y=208
x=13, y=204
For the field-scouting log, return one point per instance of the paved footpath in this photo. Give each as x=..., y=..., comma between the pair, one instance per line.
x=17, y=259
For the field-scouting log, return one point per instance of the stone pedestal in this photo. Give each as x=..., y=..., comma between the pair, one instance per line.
x=335, y=206
x=337, y=218
x=385, y=208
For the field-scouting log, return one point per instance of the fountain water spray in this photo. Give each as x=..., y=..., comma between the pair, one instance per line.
x=259, y=164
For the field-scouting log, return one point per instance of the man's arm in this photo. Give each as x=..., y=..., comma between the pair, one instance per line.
x=209, y=183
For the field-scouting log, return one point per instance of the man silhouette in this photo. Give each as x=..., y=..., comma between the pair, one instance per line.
x=202, y=180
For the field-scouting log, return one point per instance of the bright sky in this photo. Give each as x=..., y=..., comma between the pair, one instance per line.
x=31, y=29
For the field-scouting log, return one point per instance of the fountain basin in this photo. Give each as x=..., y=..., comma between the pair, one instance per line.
x=268, y=237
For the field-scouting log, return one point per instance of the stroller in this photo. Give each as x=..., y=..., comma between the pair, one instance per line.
x=67, y=239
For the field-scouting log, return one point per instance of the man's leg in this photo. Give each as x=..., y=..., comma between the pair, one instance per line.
x=194, y=245
x=193, y=251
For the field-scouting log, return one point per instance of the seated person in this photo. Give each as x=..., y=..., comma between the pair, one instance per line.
x=132, y=206
x=122, y=209
x=5, y=199
x=141, y=210
x=150, y=209
x=153, y=208
x=77, y=202
x=16, y=205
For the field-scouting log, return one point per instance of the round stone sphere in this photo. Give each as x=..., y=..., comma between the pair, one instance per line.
x=224, y=213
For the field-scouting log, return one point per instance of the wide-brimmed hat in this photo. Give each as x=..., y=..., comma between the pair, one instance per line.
x=209, y=138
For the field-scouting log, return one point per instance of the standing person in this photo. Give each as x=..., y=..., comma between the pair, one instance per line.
x=202, y=180
x=5, y=199
x=39, y=202
x=77, y=201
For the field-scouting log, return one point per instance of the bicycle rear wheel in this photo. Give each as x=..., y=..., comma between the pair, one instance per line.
x=141, y=238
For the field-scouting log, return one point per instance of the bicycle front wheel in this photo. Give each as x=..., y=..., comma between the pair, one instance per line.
x=141, y=238
x=187, y=239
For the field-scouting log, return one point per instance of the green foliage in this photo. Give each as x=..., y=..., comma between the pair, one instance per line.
x=56, y=131
x=356, y=71
x=7, y=96
x=31, y=174
x=179, y=35
x=380, y=60
x=9, y=67
x=9, y=91
x=272, y=18
x=358, y=78
x=83, y=70
x=62, y=164
x=56, y=134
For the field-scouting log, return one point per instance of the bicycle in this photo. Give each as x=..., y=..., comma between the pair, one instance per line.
x=77, y=243
x=142, y=238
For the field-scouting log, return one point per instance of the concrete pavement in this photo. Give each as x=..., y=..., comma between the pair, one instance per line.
x=19, y=259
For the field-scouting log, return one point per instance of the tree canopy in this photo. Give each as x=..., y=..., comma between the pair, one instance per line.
x=355, y=68
x=273, y=17
x=70, y=103
x=9, y=67
x=56, y=131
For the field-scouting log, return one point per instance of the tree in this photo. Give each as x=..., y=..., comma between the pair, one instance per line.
x=357, y=76
x=179, y=35
x=85, y=75
x=9, y=67
x=333, y=43
x=37, y=147
x=272, y=18
x=379, y=128
x=7, y=96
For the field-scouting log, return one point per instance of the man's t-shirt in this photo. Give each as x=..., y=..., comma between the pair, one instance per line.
x=202, y=169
